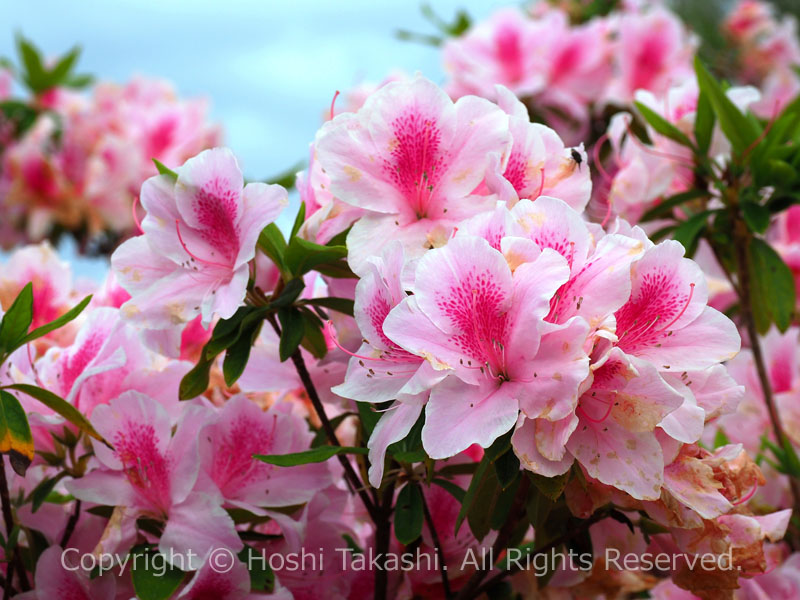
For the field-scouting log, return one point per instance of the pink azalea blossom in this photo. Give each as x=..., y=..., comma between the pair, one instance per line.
x=50, y=277
x=210, y=581
x=470, y=314
x=501, y=50
x=154, y=473
x=242, y=429
x=57, y=577
x=538, y=164
x=653, y=52
x=765, y=43
x=200, y=233
x=381, y=370
x=412, y=158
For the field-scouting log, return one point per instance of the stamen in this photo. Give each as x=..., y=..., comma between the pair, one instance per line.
x=33, y=367
x=749, y=495
x=683, y=310
x=333, y=102
x=490, y=350
x=197, y=258
x=329, y=329
x=541, y=184
x=675, y=157
x=135, y=216
x=608, y=212
x=598, y=163
x=592, y=419
x=764, y=133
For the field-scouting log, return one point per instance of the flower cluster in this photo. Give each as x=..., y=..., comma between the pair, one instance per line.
x=478, y=345
x=80, y=162
x=571, y=72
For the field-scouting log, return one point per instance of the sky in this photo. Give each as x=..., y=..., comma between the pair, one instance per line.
x=269, y=68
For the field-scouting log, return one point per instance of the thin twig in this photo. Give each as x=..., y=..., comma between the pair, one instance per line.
x=355, y=483
x=71, y=523
x=437, y=546
x=383, y=530
x=503, y=537
x=8, y=518
x=742, y=244
x=597, y=516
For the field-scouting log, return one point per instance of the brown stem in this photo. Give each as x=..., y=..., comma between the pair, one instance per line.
x=437, y=546
x=597, y=516
x=742, y=238
x=71, y=523
x=8, y=518
x=503, y=537
x=350, y=475
x=383, y=530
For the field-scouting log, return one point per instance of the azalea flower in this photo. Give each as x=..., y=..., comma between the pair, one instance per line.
x=200, y=233
x=153, y=473
x=412, y=158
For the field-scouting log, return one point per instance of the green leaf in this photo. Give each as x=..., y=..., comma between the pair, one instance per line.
x=337, y=270
x=57, y=323
x=60, y=73
x=195, y=382
x=19, y=115
x=480, y=514
x=320, y=437
x=43, y=490
x=303, y=256
x=313, y=338
x=34, y=74
x=17, y=320
x=57, y=404
x=662, y=126
x=501, y=504
x=703, y=123
x=482, y=477
x=408, y=515
x=238, y=354
x=298, y=220
x=368, y=416
x=292, y=331
x=720, y=439
x=342, y=305
x=756, y=216
x=455, y=491
x=228, y=331
x=688, y=232
x=666, y=206
x=153, y=577
x=79, y=81
x=506, y=468
x=165, y=170
x=739, y=130
x=290, y=293
x=411, y=456
x=272, y=243
x=780, y=173
x=313, y=455
x=772, y=290
x=262, y=579
x=15, y=433
x=552, y=487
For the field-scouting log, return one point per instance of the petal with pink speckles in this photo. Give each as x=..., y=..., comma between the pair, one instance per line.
x=393, y=426
x=459, y=414
x=222, y=584
x=629, y=461
x=525, y=447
